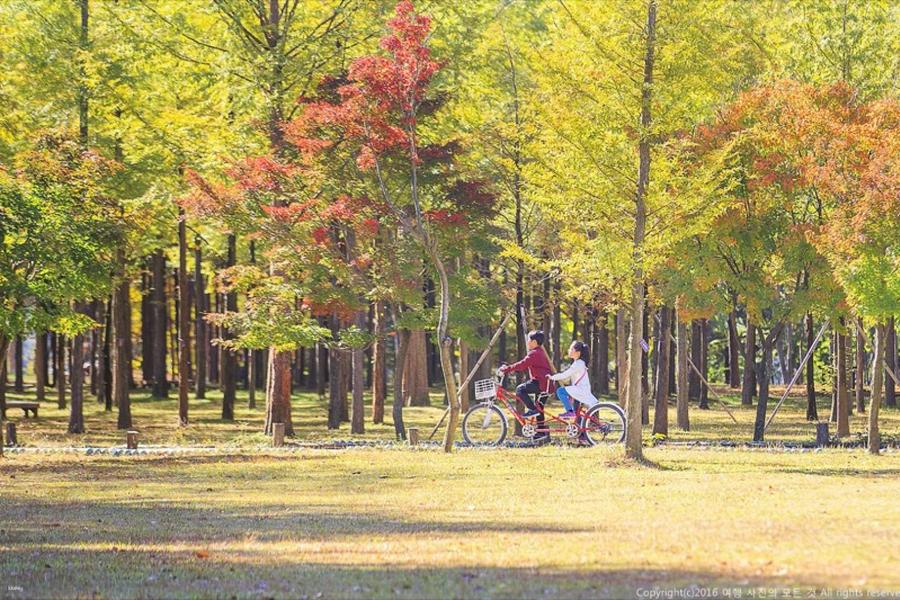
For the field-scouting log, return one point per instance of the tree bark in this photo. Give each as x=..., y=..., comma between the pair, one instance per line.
x=874, y=441
x=18, y=366
x=184, y=322
x=704, y=363
x=160, y=387
x=335, y=376
x=146, y=329
x=633, y=442
x=200, y=331
x=76, y=411
x=812, y=413
x=762, y=378
x=358, y=414
x=890, y=357
x=682, y=400
x=119, y=350
x=60, y=371
x=228, y=376
x=107, y=356
x=601, y=356
x=843, y=395
x=379, y=365
x=734, y=342
x=661, y=405
x=40, y=365
x=278, y=392
x=696, y=343
x=747, y=385
x=4, y=345
x=621, y=356
x=416, y=374
x=401, y=352
x=860, y=376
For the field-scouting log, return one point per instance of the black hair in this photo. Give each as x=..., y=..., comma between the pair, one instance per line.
x=537, y=336
x=583, y=350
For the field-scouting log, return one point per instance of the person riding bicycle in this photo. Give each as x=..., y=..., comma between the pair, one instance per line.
x=539, y=370
x=579, y=387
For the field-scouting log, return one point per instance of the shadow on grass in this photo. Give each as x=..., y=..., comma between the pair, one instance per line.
x=143, y=574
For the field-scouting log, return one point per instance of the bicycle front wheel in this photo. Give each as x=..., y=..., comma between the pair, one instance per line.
x=484, y=425
x=604, y=424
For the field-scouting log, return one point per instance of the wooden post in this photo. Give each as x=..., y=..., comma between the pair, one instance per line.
x=277, y=435
x=11, y=439
x=413, y=433
x=822, y=434
x=131, y=439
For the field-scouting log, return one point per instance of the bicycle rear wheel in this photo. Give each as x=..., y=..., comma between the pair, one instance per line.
x=604, y=424
x=484, y=425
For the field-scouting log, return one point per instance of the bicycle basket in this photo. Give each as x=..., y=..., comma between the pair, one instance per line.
x=485, y=388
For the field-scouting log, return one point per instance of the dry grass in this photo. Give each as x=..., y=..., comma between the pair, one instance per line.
x=547, y=522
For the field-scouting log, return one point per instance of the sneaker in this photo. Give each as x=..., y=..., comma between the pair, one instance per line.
x=569, y=414
x=531, y=413
x=541, y=439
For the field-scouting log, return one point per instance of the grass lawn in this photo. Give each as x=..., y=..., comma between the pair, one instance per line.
x=548, y=522
x=157, y=421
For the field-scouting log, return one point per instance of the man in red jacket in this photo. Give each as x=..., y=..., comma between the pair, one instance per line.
x=538, y=372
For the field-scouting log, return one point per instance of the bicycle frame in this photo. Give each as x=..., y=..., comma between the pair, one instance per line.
x=508, y=399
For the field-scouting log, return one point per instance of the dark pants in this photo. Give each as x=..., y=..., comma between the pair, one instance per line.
x=524, y=391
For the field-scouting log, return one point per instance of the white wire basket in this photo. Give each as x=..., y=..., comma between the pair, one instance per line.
x=485, y=388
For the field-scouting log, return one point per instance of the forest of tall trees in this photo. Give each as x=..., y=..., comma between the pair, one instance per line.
x=347, y=197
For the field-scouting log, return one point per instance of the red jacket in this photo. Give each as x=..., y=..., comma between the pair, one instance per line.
x=538, y=367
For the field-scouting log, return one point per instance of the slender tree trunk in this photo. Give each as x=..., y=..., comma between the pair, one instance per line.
x=463, y=372
x=621, y=356
x=416, y=375
x=119, y=350
x=401, y=351
x=633, y=442
x=200, y=340
x=601, y=358
x=812, y=413
x=379, y=366
x=335, y=376
x=108, y=351
x=146, y=329
x=860, y=376
x=228, y=376
x=661, y=406
x=184, y=322
x=747, y=385
x=843, y=395
x=762, y=378
x=18, y=366
x=358, y=415
x=278, y=392
x=704, y=363
x=877, y=380
x=681, y=353
x=76, y=412
x=4, y=346
x=61, y=371
x=734, y=343
x=160, y=383
x=40, y=362
x=890, y=357
x=696, y=343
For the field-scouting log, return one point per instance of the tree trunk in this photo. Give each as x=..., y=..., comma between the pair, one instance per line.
x=762, y=378
x=621, y=356
x=416, y=374
x=877, y=380
x=843, y=395
x=278, y=392
x=681, y=353
x=463, y=372
x=358, y=420
x=633, y=442
x=601, y=356
x=4, y=345
x=60, y=371
x=76, y=412
x=556, y=334
x=228, y=376
x=379, y=365
x=860, y=373
x=146, y=329
x=334, y=379
x=747, y=385
x=734, y=343
x=184, y=322
x=18, y=366
x=661, y=405
x=401, y=351
x=693, y=377
x=890, y=357
x=119, y=350
x=200, y=341
x=160, y=387
x=812, y=413
x=107, y=358
x=704, y=363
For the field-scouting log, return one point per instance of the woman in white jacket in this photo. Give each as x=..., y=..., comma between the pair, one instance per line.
x=579, y=387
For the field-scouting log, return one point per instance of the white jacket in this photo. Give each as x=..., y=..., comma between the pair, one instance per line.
x=580, y=384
